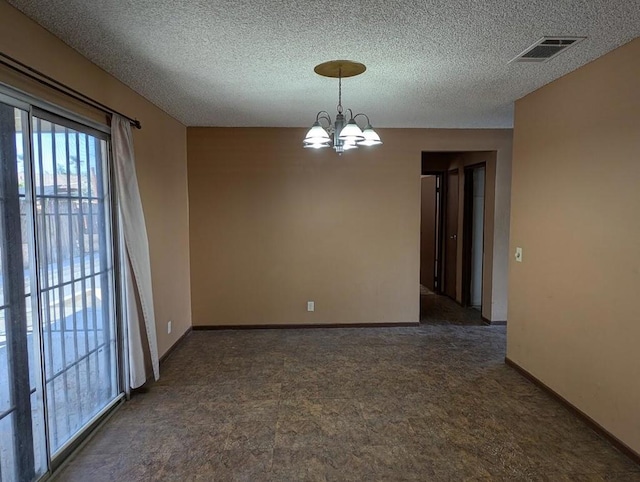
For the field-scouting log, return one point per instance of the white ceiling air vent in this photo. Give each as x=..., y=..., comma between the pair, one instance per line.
x=546, y=48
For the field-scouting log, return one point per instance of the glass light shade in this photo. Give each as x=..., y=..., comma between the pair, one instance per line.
x=317, y=134
x=371, y=137
x=316, y=145
x=349, y=145
x=351, y=132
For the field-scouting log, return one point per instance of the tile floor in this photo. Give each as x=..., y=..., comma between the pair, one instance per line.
x=434, y=402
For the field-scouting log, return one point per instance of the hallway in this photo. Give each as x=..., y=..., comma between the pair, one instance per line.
x=439, y=309
x=434, y=402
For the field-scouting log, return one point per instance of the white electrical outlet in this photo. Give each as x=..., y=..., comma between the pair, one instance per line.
x=169, y=327
x=311, y=306
x=519, y=255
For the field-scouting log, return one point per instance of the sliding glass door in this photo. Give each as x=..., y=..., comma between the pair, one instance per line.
x=58, y=335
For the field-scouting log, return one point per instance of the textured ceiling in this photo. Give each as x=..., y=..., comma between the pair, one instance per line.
x=431, y=63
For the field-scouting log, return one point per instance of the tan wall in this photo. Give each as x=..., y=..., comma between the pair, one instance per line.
x=273, y=225
x=160, y=154
x=573, y=301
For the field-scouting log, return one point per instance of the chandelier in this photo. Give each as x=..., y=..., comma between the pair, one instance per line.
x=340, y=135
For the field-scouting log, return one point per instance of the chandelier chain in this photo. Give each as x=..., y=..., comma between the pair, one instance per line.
x=340, y=91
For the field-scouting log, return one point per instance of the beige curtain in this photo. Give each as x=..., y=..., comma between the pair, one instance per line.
x=140, y=327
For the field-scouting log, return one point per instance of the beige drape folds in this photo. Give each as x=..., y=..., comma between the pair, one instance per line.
x=140, y=327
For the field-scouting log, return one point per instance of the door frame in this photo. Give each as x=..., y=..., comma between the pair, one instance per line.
x=36, y=107
x=443, y=231
x=441, y=191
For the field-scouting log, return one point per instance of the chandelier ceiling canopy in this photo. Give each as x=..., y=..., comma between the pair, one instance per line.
x=340, y=135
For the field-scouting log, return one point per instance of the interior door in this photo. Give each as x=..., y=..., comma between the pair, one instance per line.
x=428, y=233
x=451, y=235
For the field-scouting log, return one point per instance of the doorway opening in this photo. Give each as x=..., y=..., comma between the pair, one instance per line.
x=453, y=262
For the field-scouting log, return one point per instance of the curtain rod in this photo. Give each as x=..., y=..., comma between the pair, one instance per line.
x=60, y=87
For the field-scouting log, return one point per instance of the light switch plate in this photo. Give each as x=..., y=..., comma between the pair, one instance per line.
x=519, y=255
x=311, y=306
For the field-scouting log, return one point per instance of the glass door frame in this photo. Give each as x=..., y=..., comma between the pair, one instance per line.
x=34, y=106
x=17, y=347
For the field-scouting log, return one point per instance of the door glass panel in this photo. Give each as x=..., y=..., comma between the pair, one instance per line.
x=23, y=453
x=76, y=276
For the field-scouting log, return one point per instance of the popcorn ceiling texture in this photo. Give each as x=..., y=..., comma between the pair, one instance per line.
x=431, y=63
